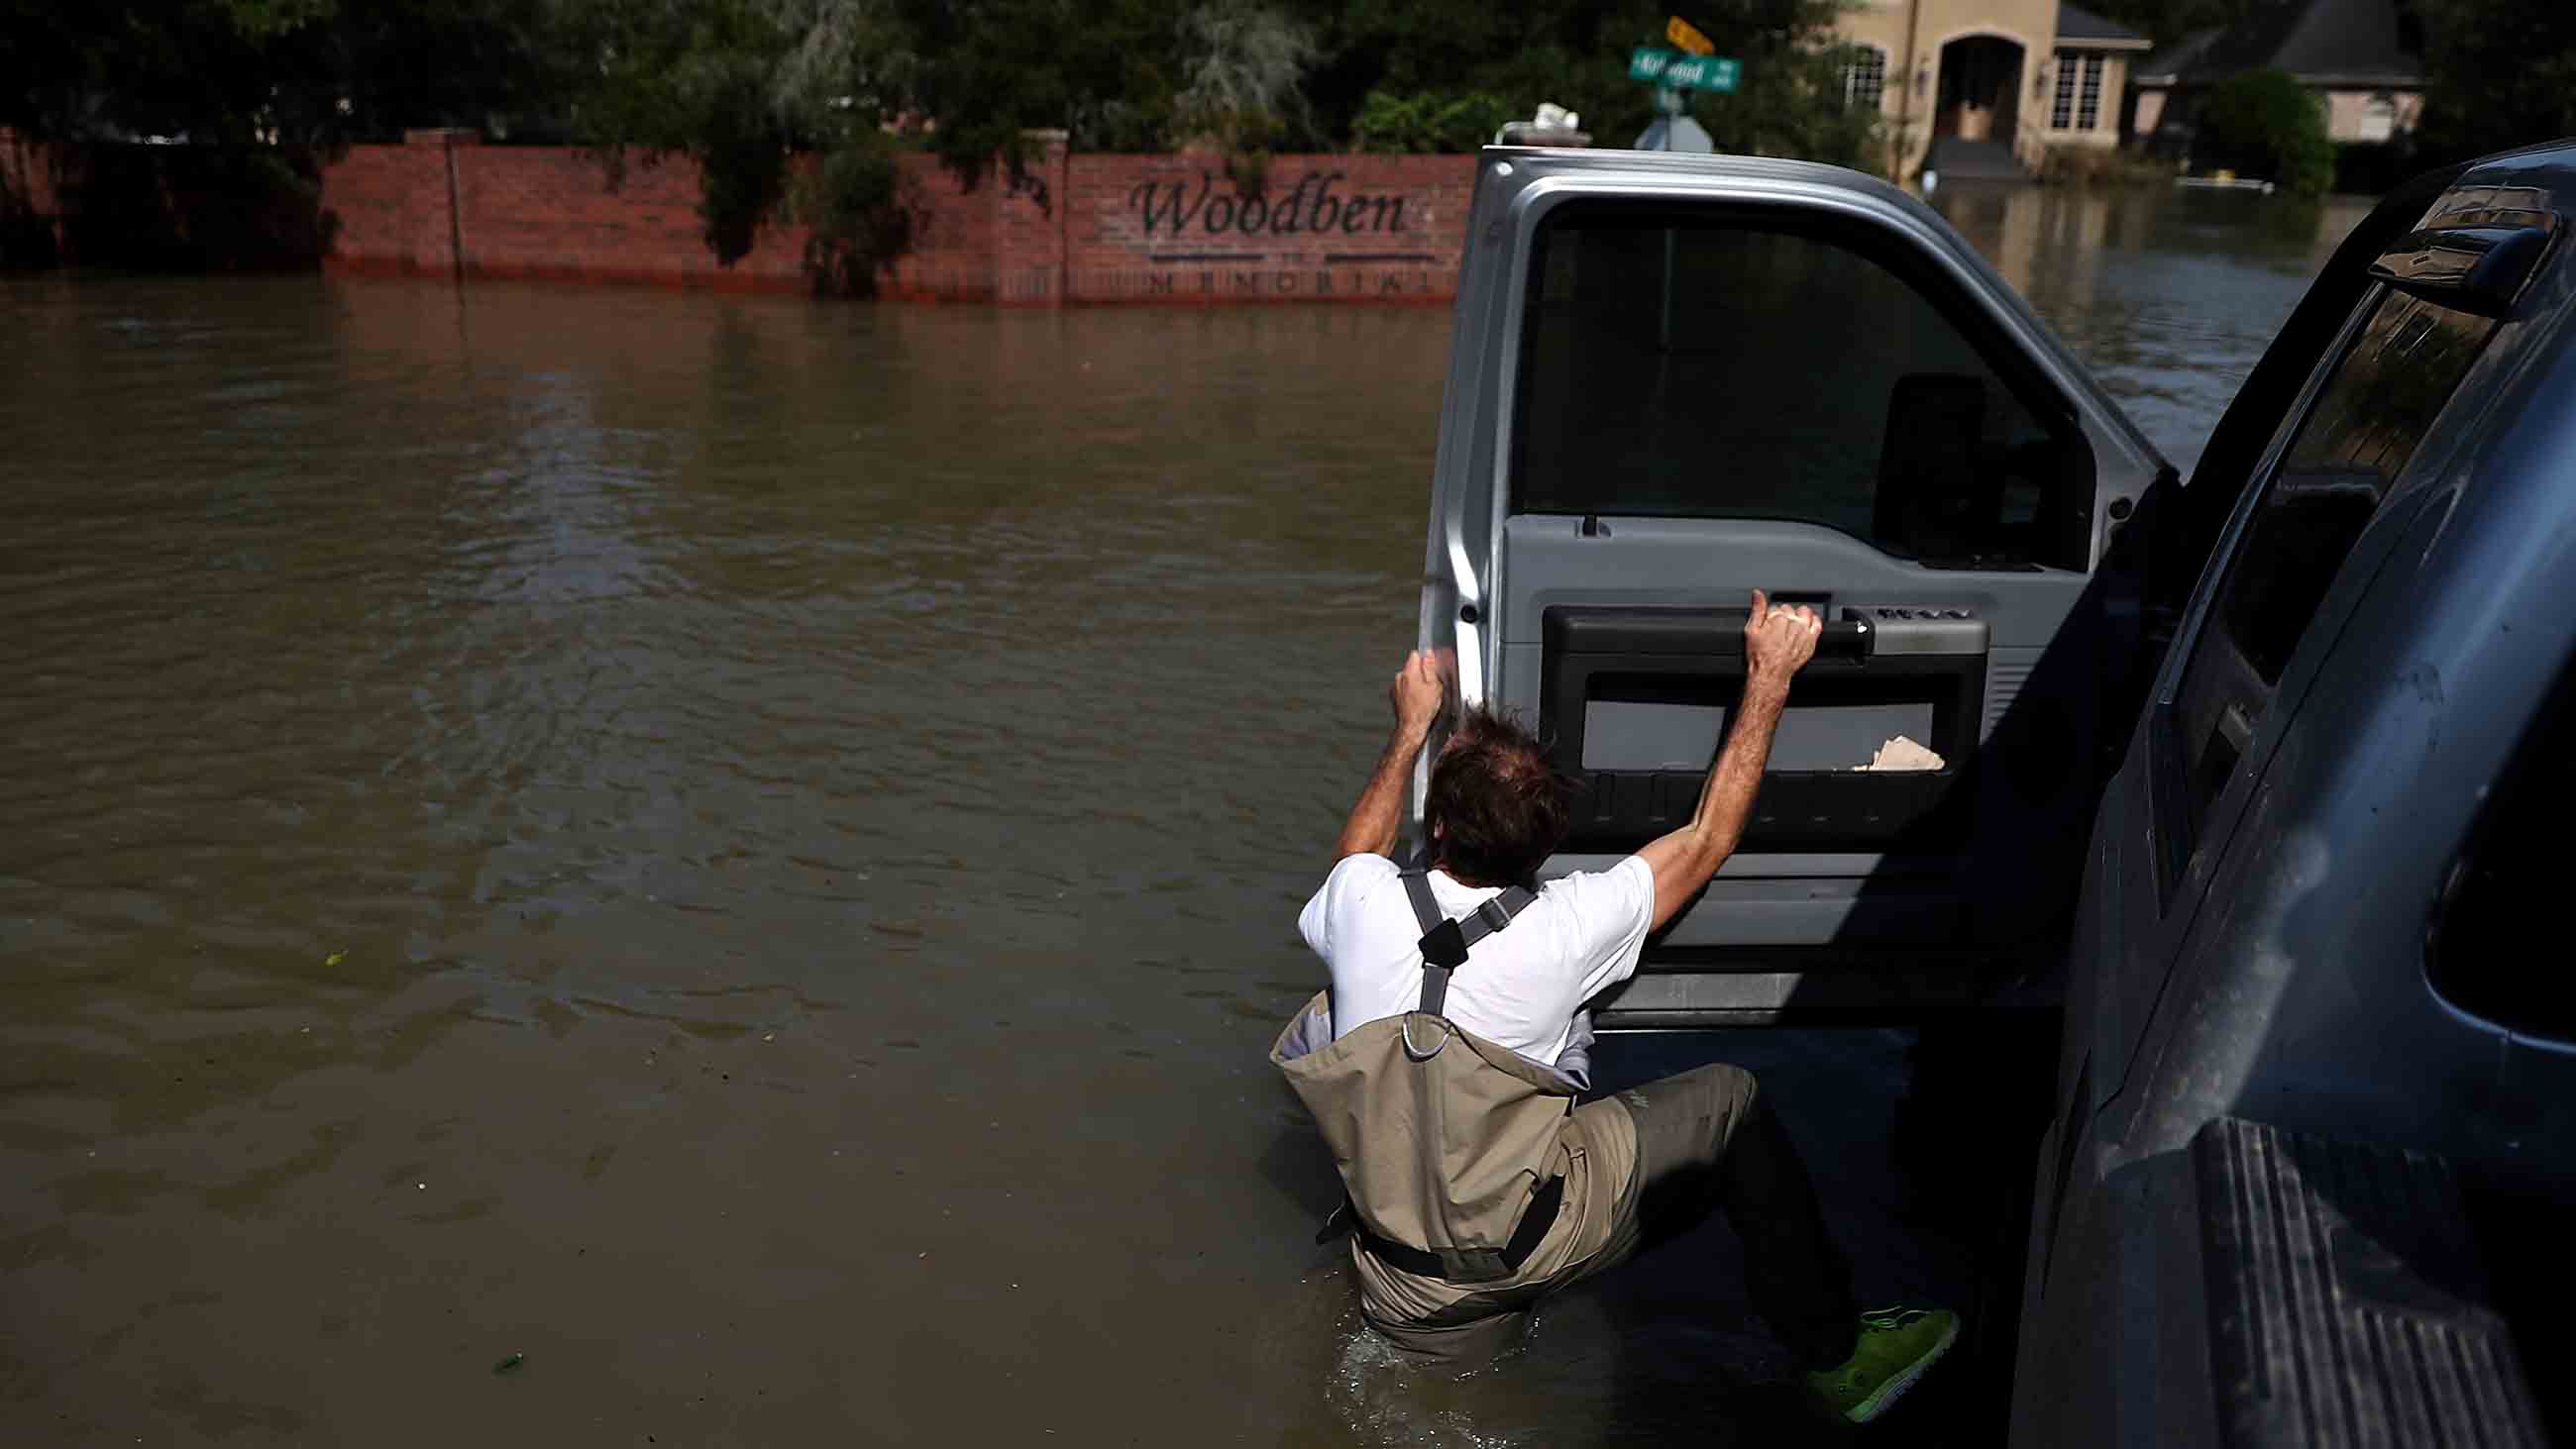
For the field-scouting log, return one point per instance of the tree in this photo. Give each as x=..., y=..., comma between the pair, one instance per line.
x=741, y=87
x=1575, y=53
x=263, y=88
x=988, y=71
x=2498, y=74
x=1429, y=121
x=1241, y=62
x=314, y=72
x=698, y=77
x=2265, y=123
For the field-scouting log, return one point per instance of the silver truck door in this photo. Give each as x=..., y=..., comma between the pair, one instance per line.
x=1675, y=380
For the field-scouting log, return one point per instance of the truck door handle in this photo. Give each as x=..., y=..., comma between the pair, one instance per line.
x=1849, y=637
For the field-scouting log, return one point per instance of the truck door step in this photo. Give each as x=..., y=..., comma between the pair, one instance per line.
x=2347, y=1303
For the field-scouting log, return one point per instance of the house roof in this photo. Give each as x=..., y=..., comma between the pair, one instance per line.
x=2081, y=29
x=2169, y=63
x=2319, y=41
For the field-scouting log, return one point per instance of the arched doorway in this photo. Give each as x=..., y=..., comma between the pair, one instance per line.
x=1980, y=95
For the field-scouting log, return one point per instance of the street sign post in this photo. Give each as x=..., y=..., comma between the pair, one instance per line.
x=1657, y=66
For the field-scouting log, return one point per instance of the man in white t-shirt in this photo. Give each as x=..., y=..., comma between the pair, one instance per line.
x=1637, y=1167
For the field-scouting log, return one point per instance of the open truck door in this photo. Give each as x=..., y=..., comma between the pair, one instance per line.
x=1678, y=379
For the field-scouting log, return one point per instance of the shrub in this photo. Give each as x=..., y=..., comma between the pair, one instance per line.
x=853, y=201
x=2263, y=123
x=1429, y=121
x=2101, y=166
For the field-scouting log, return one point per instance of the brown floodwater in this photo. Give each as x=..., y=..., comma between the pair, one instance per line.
x=599, y=866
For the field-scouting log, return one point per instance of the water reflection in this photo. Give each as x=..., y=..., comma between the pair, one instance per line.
x=2168, y=295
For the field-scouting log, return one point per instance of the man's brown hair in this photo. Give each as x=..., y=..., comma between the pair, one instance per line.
x=1496, y=808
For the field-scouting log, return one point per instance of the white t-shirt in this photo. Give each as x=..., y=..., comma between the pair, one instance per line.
x=1520, y=987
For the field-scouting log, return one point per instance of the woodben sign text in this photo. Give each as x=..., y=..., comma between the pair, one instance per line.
x=1312, y=207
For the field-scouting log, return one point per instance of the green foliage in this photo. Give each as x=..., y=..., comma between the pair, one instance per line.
x=1430, y=121
x=743, y=87
x=2498, y=74
x=1241, y=62
x=852, y=201
x=2263, y=123
x=265, y=18
x=1791, y=104
x=201, y=208
x=294, y=71
x=694, y=76
x=2103, y=166
x=1575, y=54
x=989, y=71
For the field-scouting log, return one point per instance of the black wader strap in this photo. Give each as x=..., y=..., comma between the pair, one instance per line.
x=1536, y=1219
x=1445, y=942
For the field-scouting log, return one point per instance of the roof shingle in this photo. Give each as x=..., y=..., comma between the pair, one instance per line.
x=2314, y=40
x=2076, y=23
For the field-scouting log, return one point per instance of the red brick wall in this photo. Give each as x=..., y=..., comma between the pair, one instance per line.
x=388, y=209
x=27, y=172
x=1070, y=228
x=950, y=257
x=556, y=212
x=552, y=212
x=27, y=187
x=534, y=211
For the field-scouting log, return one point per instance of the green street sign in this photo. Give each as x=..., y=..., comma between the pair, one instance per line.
x=1658, y=66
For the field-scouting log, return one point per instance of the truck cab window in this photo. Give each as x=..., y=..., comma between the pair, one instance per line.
x=2381, y=400
x=1689, y=366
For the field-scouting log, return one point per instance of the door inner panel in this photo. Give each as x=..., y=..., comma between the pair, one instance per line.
x=1634, y=702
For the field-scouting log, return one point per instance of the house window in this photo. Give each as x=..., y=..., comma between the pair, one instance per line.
x=2378, y=119
x=1865, y=78
x=2077, y=106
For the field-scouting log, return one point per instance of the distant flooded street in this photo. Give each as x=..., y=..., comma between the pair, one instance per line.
x=743, y=853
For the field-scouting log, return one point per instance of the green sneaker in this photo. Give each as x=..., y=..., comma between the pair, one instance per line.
x=1896, y=1346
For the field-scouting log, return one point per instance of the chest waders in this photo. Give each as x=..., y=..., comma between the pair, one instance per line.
x=1446, y=1142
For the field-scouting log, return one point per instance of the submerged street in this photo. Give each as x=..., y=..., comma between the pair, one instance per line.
x=705, y=845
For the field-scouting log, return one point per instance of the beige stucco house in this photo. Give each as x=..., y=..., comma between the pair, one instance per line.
x=1992, y=83
x=2362, y=59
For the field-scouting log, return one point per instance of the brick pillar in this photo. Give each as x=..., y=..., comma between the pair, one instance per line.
x=1028, y=225
x=446, y=243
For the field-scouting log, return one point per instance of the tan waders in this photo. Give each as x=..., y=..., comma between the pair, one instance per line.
x=1478, y=1185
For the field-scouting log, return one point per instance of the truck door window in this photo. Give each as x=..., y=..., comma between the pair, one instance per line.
x=2354, y=442
x=1690, y=366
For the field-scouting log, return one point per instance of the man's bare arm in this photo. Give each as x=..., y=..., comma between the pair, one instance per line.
x=1416, y=695
x=1777, y=642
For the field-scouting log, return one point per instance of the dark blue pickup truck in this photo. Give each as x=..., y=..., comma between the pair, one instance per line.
x=2252, y=770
